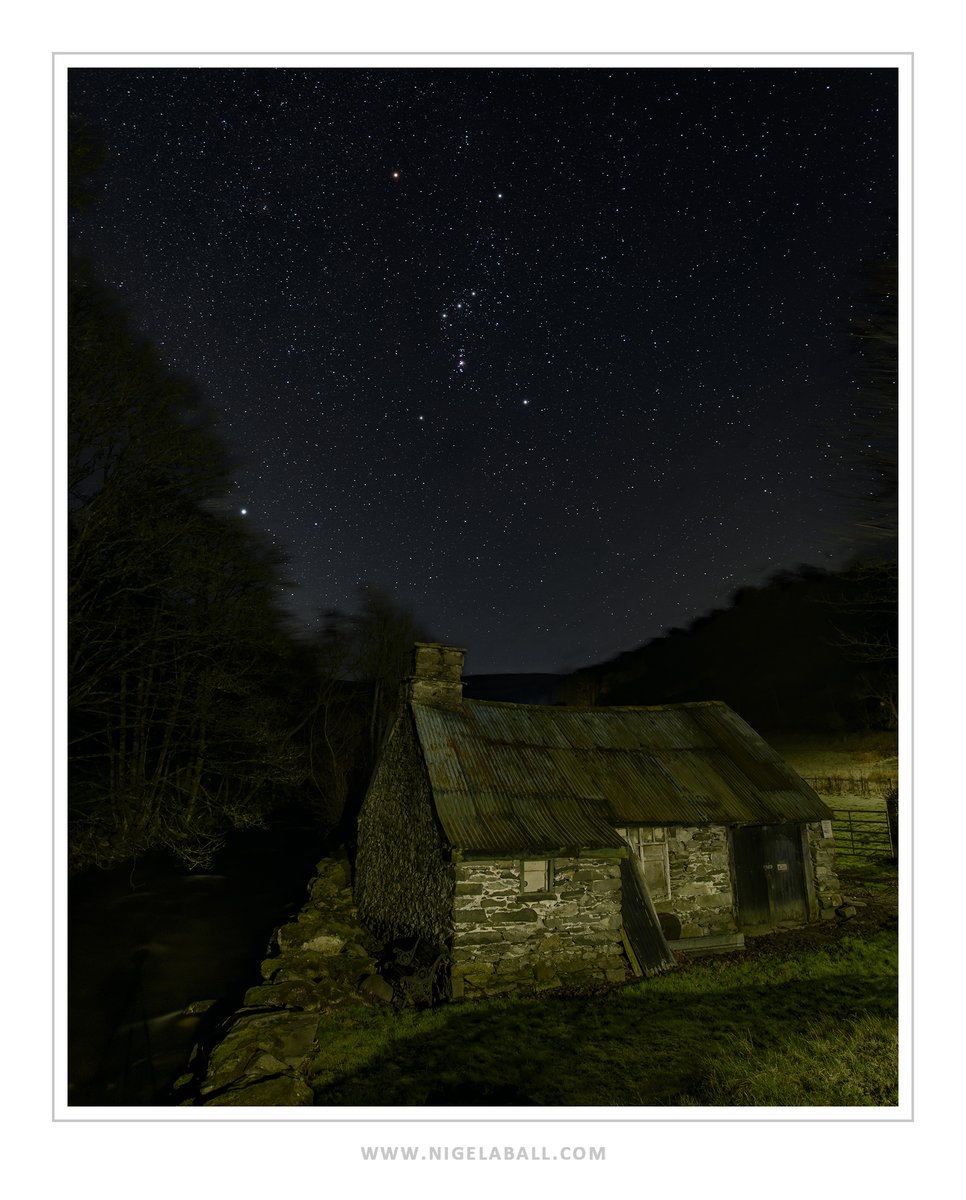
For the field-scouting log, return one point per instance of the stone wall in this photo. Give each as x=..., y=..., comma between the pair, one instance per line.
x=323, y=959
x=702, y=903
x=404, y=886
x=505, y=942
x=821, y=862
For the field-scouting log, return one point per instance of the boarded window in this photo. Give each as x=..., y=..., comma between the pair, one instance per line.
x=535, y=875
x=649, y=843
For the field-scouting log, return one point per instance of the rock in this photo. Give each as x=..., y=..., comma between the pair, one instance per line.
x=279, y=1040
x=295, y=994
x=354, y=950
x=846, y=912
x=324, y=943
x=377, y=988
x=268, y=1064
x=199, y=1006
x=282, y=1090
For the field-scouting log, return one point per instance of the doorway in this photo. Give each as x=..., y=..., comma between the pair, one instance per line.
x=769, y=875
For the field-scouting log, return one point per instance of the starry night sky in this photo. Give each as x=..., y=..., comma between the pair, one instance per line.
x=559, y=357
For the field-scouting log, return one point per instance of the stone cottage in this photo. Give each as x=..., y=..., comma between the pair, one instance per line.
x=546, y=845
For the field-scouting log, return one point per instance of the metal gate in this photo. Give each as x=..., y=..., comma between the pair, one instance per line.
x=769, y=878
x=863, y=833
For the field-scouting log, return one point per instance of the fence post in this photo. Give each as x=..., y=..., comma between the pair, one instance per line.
x=892, y=822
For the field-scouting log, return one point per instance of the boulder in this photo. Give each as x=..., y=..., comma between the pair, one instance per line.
x=374, y=987
x=260, y=1044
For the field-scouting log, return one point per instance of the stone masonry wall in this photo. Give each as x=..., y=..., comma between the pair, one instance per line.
x=821, y=862
x=702, y=895
x=404, y=886
x=321, y=960
x=506, y=942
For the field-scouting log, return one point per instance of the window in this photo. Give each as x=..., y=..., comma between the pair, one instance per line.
x=649, y=843
x=536, y=875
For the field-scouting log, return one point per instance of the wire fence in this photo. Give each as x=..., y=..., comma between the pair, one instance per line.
x=868, y=786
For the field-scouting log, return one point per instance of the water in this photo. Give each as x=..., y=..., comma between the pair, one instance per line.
x=147, y=940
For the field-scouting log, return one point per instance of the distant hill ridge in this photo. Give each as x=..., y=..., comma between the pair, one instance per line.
x=526, y=688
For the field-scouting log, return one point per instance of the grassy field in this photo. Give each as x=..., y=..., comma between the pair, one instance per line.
x=777, y=1025
x=848, y=771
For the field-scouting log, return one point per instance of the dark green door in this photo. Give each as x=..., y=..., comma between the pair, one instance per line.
x=769, y=874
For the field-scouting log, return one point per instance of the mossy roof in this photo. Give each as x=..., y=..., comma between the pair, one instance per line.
x=517, y=778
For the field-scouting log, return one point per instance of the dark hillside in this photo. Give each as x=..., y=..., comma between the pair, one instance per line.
x=807, y=650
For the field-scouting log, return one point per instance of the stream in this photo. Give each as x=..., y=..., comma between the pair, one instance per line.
x=148, y=939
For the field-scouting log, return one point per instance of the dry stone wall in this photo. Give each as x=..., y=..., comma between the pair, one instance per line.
x=821, y=861
x=504, y=942
x=324, y=958
x=699, y=859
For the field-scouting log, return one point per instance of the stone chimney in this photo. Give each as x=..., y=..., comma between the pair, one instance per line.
x=437, y=677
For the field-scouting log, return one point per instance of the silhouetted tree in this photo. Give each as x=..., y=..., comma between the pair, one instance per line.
x=362, y=658
x=872, y=436
x=867, y=598
x=173, y=634
x=86, y=156
x=179, y=727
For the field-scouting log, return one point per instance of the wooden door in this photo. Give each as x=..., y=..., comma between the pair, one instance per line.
x=769, y=874
x=641, y=926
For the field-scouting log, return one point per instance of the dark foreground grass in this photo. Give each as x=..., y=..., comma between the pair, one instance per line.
x=816, y=1028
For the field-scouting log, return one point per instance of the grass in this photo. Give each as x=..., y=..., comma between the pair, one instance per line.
x=825, y=1064
x=812, y=1028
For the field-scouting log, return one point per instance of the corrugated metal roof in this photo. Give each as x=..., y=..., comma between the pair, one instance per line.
x=512, y=777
